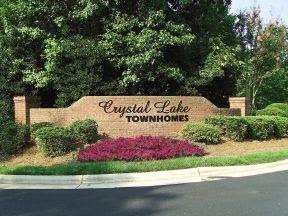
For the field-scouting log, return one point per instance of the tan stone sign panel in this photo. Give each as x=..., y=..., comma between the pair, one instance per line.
x=128, y=115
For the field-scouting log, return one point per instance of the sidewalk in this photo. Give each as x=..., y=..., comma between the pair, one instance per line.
x=139, y=179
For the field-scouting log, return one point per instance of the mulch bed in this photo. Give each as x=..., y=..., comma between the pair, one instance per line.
x=31, y=156
x=231, y=148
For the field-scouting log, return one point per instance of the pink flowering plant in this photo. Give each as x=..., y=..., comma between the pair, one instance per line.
x=139, y=149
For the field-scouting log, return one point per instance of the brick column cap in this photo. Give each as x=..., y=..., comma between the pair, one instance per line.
x=19, y=98
x=240, y=99
x=29, y=98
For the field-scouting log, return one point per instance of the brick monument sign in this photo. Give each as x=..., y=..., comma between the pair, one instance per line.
x=129, y=115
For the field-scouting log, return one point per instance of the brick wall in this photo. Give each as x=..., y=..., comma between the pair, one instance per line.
x=113, y=124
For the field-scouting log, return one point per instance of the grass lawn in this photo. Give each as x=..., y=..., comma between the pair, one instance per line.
x=146, y=166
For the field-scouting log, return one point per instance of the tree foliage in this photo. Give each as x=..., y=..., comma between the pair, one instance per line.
x=263, y=52
x=63, y=50
x=67, y=49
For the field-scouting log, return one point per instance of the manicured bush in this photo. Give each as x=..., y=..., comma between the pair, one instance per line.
x=36, y=126
x=139, y=149
x=235, y=128
x=55, y=141
x=260, y=128
x=281, y=130
x=200, y=132
x=85, y=131
x=280, y=125
x=276, y=109
x=250, y=127
x=12, y=138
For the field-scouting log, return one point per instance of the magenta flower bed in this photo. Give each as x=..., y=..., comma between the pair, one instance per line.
x=139, y=149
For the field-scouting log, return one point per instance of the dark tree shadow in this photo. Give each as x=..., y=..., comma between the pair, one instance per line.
x=102, y=202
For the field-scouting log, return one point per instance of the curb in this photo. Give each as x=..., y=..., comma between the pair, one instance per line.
x=139, y=179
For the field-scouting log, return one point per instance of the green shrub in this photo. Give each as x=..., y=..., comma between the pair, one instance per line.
x=200, y=132
x=235, y=128
x=276, y=109
x=12, y=138
x=36, y=126
x=55, y=141
x=85, y=131
x=280, y=125
x=271, y=112
x=260, y=128
x=5, y=112
x=250, y=127
x=281, y=130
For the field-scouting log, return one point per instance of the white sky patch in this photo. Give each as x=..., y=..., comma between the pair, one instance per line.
x=271, y=9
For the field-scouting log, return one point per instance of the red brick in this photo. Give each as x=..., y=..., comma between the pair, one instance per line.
x=113, y=125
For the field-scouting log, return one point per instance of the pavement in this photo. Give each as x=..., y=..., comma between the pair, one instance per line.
x=260, y=195
x=173, y=177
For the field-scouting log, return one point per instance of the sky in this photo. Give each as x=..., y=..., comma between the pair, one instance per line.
x=271, y=9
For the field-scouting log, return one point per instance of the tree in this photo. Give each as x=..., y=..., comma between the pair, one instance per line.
x=274, y=89
x=51, y=46
x=263, y=52
x=142, y=49
x=71, y=48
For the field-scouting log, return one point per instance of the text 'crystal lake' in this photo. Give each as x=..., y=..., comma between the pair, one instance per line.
x=162, y=107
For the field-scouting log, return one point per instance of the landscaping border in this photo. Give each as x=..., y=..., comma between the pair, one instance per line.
x=113, y=167
x=139, y=179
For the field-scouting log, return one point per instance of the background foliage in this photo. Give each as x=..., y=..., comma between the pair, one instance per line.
x=264, y=55
x=63, y=50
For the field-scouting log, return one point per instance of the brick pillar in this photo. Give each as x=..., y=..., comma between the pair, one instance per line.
x=22, y=105
x=242, y=103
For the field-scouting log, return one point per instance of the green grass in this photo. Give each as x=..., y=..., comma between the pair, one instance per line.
x=146, y=166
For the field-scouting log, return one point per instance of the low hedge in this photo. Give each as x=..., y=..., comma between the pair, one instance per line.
x=260, y=128
x=280, y=125
x=276, y=109
x=200, y=132
x=250, y=127
x=85, y=131
x=234, y=128
x=55, y=141
x=12, y=138
x=36, y=126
